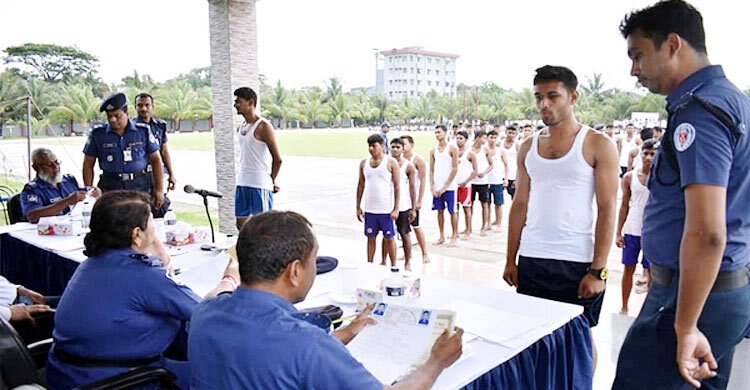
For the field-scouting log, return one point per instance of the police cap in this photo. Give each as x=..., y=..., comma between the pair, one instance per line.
x=116, y=101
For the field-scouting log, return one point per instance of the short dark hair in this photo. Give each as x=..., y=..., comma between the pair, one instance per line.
x=511, y=128
x=479, y=133
x=269, y=241
x=454, y=127
x=658, y=128
x=463, y=133
x=374, y=139
x=247, y=93
x=556, y=73
x=629, y=124
x=407, y=138
x=665, y=17
x=113, y=218
x=650, y=144
x=143, y=95
x=529, y=126
x=441, y=127
x=647, y=133
x=610, y=126
x=397, y=141
x=492, y=132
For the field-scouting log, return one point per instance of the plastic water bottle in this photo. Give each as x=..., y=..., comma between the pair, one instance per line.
x=170, y=218
x=394, y=287
x=86, y=208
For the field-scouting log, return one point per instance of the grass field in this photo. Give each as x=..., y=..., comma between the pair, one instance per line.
x=317, y=143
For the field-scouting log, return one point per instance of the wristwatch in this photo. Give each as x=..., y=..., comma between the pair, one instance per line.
x=601, y=273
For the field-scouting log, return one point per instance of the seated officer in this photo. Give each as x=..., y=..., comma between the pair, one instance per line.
x=128, y=155
x=251, y=339
x=50, y=193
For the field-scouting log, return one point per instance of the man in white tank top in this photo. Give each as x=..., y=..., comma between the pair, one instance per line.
x=467, y=171
x=480, y=186
x=260, y=160
x=551, y=224
x=408, y=196
x=625, y=144
x=497, y=177
x=511, y=151
x=420, y=181
x=443, y=169
x=378, y=181
x=630, y=221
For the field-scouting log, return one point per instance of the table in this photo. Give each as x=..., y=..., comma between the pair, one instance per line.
x=554, y=356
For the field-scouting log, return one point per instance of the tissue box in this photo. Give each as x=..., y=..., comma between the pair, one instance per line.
x=180, y=234
x=56, y=226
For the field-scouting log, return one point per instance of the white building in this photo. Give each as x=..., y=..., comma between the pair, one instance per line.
x=412, y=72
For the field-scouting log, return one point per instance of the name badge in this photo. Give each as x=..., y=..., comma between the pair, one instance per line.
x=127, y=155
x=110, y=158
x=108, y=146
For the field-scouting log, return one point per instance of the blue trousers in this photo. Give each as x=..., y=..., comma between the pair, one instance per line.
x=647, y=357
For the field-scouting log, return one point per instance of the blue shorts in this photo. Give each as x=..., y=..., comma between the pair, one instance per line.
x=375, y=223
x=631, y=251
x=446, y=200
x=496, y=193
x=557, y=280
x=251, y=201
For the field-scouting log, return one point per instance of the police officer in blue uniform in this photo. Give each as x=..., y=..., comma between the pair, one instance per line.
x=50, y=193
x=144, y=104
x=122, y=308
x=128, y=155
x=696, y=224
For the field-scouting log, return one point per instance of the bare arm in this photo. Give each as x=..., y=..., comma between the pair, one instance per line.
x=411, y=173
x=421, y=166
x=55, y=208
x=605, y=181
x=360, y=189
x=490, y=166
x=517, y=217
x=631, y=158
x=267, y=135
x=504, y=159
x=445, y=351
x=167, y=160
x=432, y=169
x=88, y=170
x=625, y=205
x=393, y=166
x=158, y=169
x=472, y=159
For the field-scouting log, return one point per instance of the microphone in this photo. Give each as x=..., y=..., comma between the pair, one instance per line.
x=192, y=190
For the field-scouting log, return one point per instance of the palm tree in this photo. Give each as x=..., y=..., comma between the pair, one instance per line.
x=76, y=104
x=176, y=100
x=362, y=110
x=311, y=108
x=278, y=104
x=423, y=110
x=381, y=103
x=340, y=108
x=10, y=88
x=333, y=89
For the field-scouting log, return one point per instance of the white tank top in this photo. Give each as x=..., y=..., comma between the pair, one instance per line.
x=511, y=154
x=497, y=174
x=464, y=168
x=482, y=164
x=404, y=195
x=638, y=198
x=255, y=158
x=443, y=167
x=560, y=215
x=378, y=187
x=416, y=176
x=627, y=146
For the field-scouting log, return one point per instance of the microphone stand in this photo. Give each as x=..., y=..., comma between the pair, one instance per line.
x=210, y=223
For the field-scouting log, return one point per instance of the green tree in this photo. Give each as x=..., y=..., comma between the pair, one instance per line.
x=278, y=103
x=339, y=108
x=11, y=87
x=175, y=102
x=363, y=110
x=311, y=108
x=75, y=104
x=333, y=89
x=52, y=62
x=381, y=103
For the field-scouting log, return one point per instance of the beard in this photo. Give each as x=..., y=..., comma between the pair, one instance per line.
x=51, y=179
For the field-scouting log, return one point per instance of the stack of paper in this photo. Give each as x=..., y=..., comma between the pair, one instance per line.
x=494, y=325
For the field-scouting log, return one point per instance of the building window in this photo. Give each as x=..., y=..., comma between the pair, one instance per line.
x=437, y=72
x=411, y=93
x=429, y=83
x=411, y=81
x=419, y=82
x=429, y=71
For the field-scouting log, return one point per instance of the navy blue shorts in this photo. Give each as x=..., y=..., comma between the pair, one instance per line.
x=251, y=201
x=446, y=200
x=631, y=250
x=496, y=193
x=557, y=280
x=375, y=223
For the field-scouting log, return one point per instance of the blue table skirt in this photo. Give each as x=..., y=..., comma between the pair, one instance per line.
x=561, y=360
x=34, y=267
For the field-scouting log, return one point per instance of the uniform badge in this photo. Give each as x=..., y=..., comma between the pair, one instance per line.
x=110, y=158
x=684, y=135
x=32, y=198
x=151, y=138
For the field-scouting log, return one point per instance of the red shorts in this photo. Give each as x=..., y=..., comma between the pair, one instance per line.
x=464, y=196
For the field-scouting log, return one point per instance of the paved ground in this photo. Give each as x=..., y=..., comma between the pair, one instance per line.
x=324, y=190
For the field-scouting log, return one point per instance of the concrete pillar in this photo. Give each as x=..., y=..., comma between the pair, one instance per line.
x=234, y=64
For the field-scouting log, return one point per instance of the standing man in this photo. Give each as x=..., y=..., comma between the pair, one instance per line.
x=560, y=169
x=128, y=155
x=443, y=169
x=378, y=181
x=630, y=220
x=496, y=177
x=408, y=196
x=144, y=104
x=480, y=185
x=696, y=224
x=419, y=184
x=256, y=181
x=467, y=171
x=625, y=145
x=511, y=152
x=384, y=129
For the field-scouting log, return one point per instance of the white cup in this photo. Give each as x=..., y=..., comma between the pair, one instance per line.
x=349, y=279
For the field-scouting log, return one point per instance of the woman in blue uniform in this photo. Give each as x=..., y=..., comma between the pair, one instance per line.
x=121, y=309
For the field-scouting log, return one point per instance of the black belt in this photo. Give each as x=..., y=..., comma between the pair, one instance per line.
x=725, y=281
x=92, y=362
x=125, y=176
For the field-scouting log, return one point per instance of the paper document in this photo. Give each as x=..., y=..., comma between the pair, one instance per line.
x=492, y=324
x=401, y=340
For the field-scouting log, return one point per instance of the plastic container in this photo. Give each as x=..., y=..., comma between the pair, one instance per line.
x=86, y=207
x=170, y=218
x=394, y=287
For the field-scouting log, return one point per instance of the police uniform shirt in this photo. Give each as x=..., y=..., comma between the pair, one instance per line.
x=706, y=154
x=39, y=193
x=250, y=340
x=121, y=305
x=158, y=129
x=122, y=154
